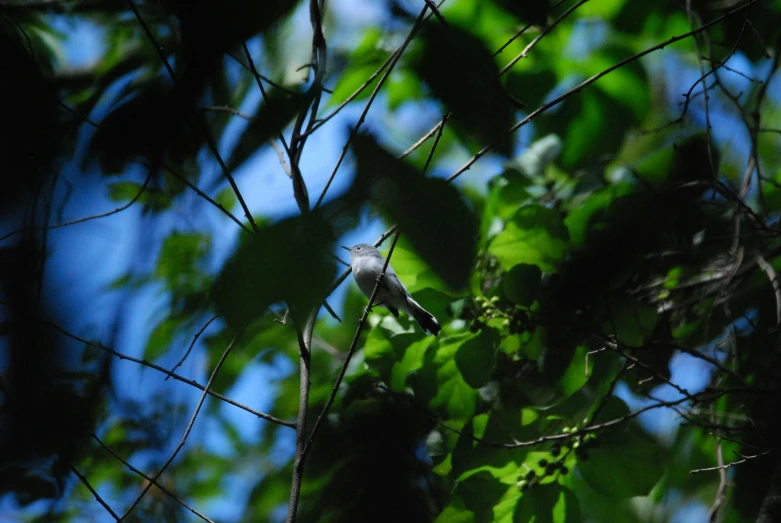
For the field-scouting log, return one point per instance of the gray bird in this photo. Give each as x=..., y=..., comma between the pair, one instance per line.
x=367, y=264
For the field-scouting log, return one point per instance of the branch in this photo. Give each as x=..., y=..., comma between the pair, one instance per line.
x=206, y=197
x=539, y=37
x=302, y=445
x=305, y=353
x=482, y=152
x=94, y=492
x=728, y=465
x=768, y=269
x=204, y=128
x=184, y=437
x=158, y=368
x=84, y=219
x=394, y=60
x=149, y=479
x=192, y=344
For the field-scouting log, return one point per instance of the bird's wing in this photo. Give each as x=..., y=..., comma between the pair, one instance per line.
x=394, y=280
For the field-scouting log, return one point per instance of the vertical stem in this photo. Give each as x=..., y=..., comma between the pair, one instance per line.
x=305, y=346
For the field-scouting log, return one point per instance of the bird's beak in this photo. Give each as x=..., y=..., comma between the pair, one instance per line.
x=345, y=248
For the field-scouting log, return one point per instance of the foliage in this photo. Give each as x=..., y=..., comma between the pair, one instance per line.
x=603, y=263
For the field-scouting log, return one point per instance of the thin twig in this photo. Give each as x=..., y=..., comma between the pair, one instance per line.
x=148, y=478
x=540, y=36
x=728, y=465
x=154, y=478
x=354, y=131
x=192, y=344
x=768, y=269
x=445, y=118
x=226, y=109
x=210, y=143
x=94, y=492
x=85, y=218
x=206, y=197
x=158, y=368
x=482, y=152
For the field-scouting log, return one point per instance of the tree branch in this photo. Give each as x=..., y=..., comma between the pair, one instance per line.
x=154, y=478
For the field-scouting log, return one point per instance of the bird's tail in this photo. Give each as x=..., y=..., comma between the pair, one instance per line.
x=425, y=319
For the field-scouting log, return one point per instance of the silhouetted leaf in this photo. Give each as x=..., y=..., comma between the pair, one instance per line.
x=287, y=262
x=476, y=356
x=630, y=322
x=274, y=115
x=521, y=284
x=462, y=73
x=531, y=11
x=154, y=123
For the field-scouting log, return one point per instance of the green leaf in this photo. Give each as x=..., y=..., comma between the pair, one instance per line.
x=411, y=362
x=476, y=357
x=226, y=198
x=441, y=384
x=508, y=193
x=152, y=197
x=403, y=86
x=549, y=503
x=521, y=284
x=605, y=9
x=352, y=79
x=455, y=512
x=430, y=213
x=413, y=270
x=628, y=462
x=481, y=493
x=599, y=126
x=394, y=351
x=179, y=255
x=539, y=155
x=124, y=191
x=536, y=235
x=161, y=338
x=463, y=74
x=631, y=322
x=580, y=219
x=288, y=262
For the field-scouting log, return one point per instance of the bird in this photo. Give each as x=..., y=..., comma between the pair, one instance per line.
x=367, y=263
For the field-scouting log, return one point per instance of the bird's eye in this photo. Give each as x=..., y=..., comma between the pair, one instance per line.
x=357, y=248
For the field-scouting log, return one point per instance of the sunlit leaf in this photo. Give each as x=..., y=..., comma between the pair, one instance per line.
x=535, y=235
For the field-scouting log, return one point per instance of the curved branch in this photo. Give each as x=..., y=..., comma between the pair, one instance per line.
x=84, y=219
